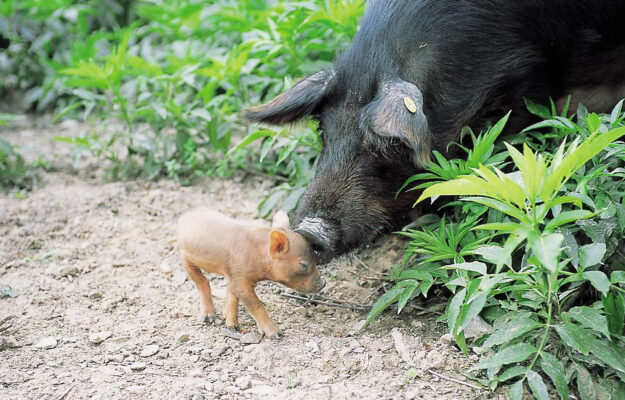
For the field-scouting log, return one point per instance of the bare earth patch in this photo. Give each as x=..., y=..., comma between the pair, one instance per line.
x=105, y=310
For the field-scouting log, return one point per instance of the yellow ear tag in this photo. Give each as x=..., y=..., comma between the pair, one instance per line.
x=410, y=105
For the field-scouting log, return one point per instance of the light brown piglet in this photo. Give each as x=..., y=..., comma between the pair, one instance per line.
x=245, y=253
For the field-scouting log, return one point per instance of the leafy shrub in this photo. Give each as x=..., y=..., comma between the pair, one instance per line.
x=36, y=37
x=15, y=173
x=179, y=76
x=528, y=234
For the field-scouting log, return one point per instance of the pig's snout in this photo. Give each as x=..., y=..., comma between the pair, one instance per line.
x=317, y=234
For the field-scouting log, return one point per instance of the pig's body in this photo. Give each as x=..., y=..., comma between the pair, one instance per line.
x=216, y=243
x=419, y=70
x=245, y=253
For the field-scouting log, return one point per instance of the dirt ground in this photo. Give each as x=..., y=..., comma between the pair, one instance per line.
x=104, y=309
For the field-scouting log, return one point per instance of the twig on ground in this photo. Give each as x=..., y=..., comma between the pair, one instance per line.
x=318, y=299
x=368, y=267
x=363, y=277
x=66, y=393
x=458, y=381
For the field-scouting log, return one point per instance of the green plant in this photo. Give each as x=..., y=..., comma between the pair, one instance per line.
x=536, y=232
x=178, y=77
x=14, y=171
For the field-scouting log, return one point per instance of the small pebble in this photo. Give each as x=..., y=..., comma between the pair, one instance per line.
x=303, y=311
x=219, y=350
x=243, y=382
x=68, y=271
x=418, y=325
x=99, y=337
x=150, y=350
x=8, y=342
x=232, y=334
x=138, y=366
x=47, y=343
x=116, y=358
x=197, y=373
x=446, y=339
x=135, y=389
x=251, y=338
x=183, y=337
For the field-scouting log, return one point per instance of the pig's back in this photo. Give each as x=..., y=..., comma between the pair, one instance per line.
x=205, y=238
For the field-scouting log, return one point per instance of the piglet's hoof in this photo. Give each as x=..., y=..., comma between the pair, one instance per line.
x=209, y=319
x=275, y=335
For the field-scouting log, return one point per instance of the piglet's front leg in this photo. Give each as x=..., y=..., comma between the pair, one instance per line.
x=245, y=292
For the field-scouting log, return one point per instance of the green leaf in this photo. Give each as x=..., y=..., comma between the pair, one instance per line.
x=515, y=392
x=383, y=303
x=585, y=385
x=614, y=306
x=574, y=336
x=511, y=330
x=404, y=297
x=537, y=109
x=583, y=341
x=474, y=266
x=454, y=309
x=495, y=254
x=511, y=373
x=537, y=385
x=591, y=254
x=590, y=318
x=513, y=354
x=470, y=311
x=554, y=369
x=598, y=280
x=547, y=249
x=567, y=217
x=415, y=274
x=253, y=136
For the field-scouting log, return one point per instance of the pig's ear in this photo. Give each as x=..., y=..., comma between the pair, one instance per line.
x=398, y=113
x=297, y=102
x=278, y=243
x=280, y=220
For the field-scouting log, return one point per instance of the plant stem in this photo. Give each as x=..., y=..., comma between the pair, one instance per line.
x=551, y=279
x=122, y=105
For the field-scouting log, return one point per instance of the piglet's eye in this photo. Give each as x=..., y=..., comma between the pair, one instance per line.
x=303, y=265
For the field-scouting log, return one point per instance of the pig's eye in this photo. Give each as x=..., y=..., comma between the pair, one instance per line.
x=303, y=266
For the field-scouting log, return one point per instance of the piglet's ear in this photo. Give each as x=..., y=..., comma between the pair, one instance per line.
x=280, y=220
x=278, y=243
x=397, y=112
x=297, y=102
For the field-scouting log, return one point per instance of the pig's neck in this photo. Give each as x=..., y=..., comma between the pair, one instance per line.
x=261, y=265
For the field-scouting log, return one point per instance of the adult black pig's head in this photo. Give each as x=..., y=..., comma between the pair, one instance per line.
x=375, y=135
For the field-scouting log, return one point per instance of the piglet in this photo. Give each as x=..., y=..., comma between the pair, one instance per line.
x=245, y=253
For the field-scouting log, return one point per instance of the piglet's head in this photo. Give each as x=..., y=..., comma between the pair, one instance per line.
x=292, y=260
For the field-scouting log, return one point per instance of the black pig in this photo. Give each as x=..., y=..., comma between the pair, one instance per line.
x=417, y=72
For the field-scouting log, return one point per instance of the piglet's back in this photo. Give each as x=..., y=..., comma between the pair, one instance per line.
x=207, y=236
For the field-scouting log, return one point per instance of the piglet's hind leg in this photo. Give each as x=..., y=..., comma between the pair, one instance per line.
x=207, y=308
